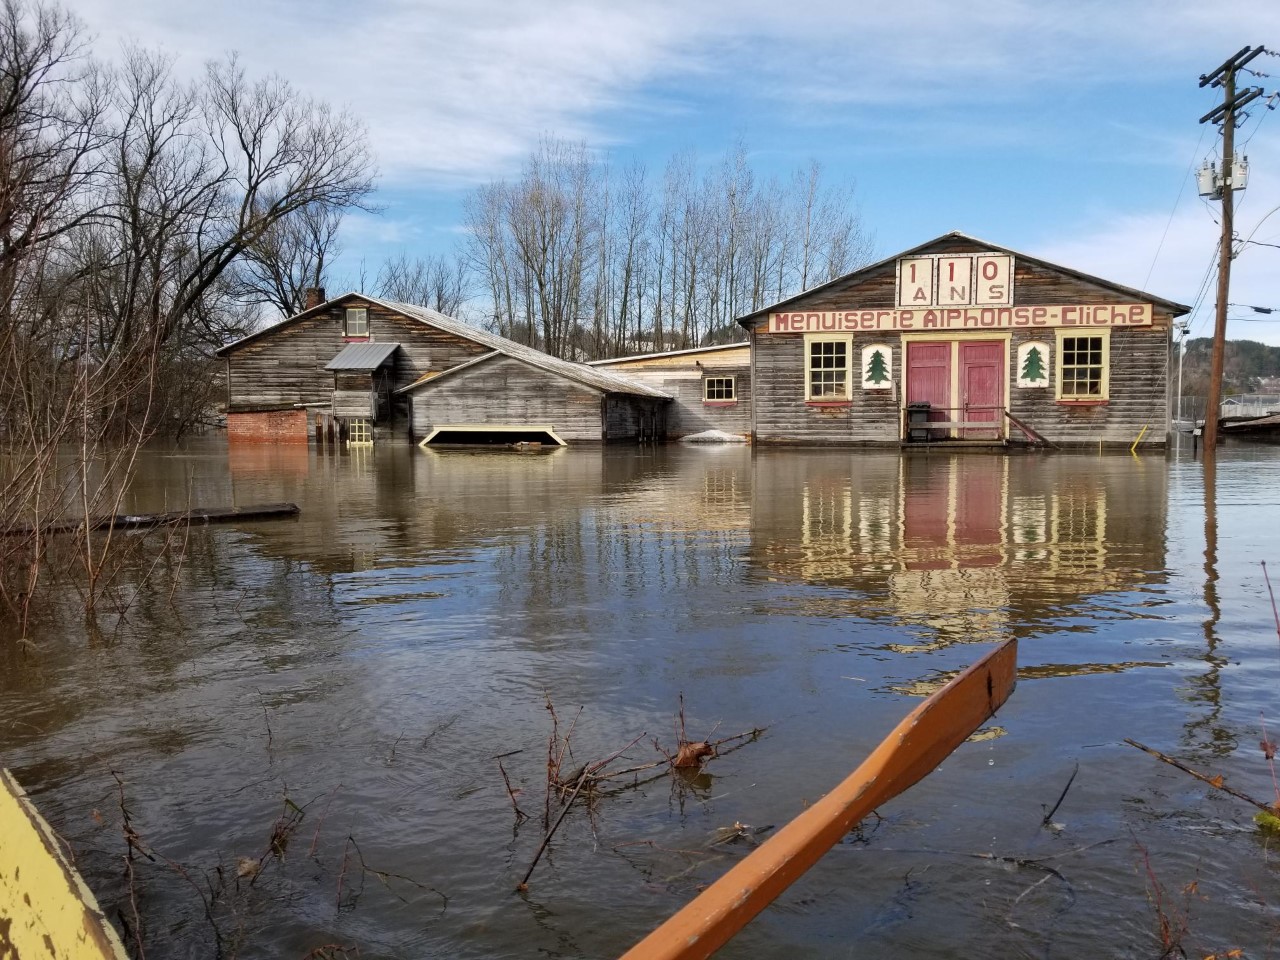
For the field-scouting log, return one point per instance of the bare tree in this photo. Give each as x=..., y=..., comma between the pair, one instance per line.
x=127, y=197
x=439, y=282
x=288, y=258
x=199, y=176
x=587, y=263
x=52, y=99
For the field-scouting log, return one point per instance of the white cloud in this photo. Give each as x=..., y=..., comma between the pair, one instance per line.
x=360, y=229
x=1129, y=249
x=450, y=92
x=459, y=92
x=456, y=93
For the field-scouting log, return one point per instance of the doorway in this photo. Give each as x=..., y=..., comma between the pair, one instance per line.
x=963, y=381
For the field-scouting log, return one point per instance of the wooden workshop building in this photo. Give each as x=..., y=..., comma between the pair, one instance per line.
x=963, y=342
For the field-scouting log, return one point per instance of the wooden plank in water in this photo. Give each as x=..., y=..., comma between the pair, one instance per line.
x=126, y=521
x=261, y=511
x=46, y=911
x=915, y=747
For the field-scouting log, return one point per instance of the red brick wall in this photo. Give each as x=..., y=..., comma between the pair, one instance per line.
x=273, y=426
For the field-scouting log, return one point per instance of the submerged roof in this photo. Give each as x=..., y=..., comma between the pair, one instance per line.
x=362, y=356
x=588, y=376
x=1177, y=309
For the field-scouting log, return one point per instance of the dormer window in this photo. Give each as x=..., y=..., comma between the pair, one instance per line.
x=356, y=322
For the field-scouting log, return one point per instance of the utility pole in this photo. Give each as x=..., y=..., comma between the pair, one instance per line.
x=1225, y=113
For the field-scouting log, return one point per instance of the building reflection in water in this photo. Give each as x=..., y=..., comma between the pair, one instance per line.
x=963, y=547
x=938, y=548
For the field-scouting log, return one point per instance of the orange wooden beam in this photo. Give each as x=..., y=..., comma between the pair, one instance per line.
x=915, y=747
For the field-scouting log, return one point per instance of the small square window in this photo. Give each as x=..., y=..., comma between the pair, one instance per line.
x=718, y=389
x=828, y=368
x=1082, y=370
x=356, y=322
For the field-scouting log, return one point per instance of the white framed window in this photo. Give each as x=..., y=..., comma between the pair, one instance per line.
x=718, y=389
x=827, y=372
x=356, y=322
x=359, y=433
x=1084, y=365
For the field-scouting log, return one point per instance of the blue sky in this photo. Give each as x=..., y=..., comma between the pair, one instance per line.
x=1067, y=131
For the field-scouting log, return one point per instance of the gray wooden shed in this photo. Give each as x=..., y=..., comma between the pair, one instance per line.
x=521, y=394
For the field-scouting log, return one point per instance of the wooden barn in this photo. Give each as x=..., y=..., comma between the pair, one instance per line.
x=366, y=367
x=711, y=386
x=963, y=342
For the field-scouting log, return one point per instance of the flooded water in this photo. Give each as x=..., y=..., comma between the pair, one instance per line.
x=370, y=658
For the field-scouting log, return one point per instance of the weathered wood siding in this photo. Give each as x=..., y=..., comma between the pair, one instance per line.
x=784, y=414
x=1139, y=394
x=1138, y=378
x=353, y=404
x=503, y=390
x=287, y=366
x=682, y=374
x=689, y=413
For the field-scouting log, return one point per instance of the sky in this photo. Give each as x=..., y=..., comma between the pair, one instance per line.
x=1066, y=131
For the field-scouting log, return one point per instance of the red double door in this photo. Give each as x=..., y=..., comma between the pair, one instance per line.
x=963, y=380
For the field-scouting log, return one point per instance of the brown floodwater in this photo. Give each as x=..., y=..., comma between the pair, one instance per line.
x=370, y=658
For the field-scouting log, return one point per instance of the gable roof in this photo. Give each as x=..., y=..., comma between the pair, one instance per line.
x=286, y=322
x=362, y=356
x=601, y=380
x=1177, y=309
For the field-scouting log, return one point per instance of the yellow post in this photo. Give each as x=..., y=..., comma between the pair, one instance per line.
x=1134, y=448
x=917, y=745
x=46, y=911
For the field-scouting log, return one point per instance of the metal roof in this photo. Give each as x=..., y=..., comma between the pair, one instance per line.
x=580, y=372
x=362, y=356
x=588, y=376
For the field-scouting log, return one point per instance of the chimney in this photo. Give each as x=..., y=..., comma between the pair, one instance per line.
x=314, y=296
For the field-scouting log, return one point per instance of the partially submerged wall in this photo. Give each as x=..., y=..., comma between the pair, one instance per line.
x=268, y=426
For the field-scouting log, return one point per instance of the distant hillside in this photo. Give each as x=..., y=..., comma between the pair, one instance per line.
x=1248, y=367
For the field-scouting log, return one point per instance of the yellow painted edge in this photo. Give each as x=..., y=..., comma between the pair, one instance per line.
x=46, y=911
x=492, y=428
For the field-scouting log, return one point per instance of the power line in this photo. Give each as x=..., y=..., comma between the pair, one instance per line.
x=1270, y=104
x=1181, y=188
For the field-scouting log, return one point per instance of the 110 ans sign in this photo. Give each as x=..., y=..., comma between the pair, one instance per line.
x=956, y=280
